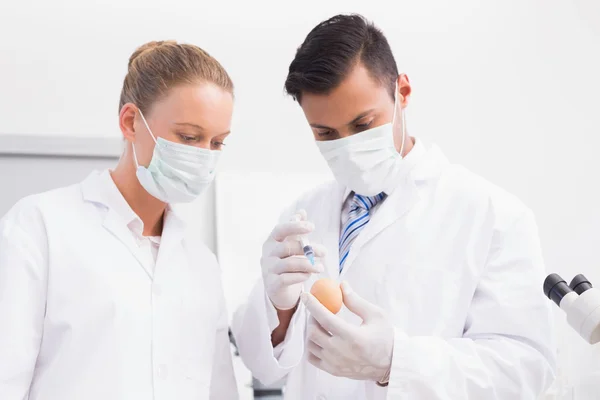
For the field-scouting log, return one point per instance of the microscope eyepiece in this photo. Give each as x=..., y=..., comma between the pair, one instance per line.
x=556, y=288
x=580, y=301
x=580, y=284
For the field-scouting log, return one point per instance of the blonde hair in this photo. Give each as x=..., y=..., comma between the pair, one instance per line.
x=156, y=67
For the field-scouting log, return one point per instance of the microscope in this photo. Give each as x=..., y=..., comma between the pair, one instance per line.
x=580, y=301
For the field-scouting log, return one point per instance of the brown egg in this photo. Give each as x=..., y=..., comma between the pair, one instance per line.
x=329, y=293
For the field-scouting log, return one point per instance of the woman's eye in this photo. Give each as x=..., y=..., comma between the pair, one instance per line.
x=218, y=145
x=363, y=125
x=324, y=133
x=187, y=138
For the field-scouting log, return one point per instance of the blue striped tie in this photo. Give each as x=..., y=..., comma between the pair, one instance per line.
x=355, y=221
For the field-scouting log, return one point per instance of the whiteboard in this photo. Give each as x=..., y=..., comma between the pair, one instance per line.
x=32, y=164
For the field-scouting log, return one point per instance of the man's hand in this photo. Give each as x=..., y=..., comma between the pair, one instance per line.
x=357, y=352
x=284, y=266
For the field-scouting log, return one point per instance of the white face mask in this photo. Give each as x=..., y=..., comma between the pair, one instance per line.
x=177, y=173
x=365, y=161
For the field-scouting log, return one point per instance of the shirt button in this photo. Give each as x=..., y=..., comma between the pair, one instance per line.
x=163, y=371
x=157, y=290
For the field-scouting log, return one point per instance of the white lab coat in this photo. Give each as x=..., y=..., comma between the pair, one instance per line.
x=456, y=263
x=81, y=317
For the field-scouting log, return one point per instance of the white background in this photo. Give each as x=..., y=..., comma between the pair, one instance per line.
x=508, y=88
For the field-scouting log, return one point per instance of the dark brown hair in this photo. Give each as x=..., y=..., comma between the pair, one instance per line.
x=332, y=49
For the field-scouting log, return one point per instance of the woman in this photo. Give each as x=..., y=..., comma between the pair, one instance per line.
x=102, y=295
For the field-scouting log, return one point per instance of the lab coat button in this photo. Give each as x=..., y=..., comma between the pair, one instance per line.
x=321, y=397
x=162, y=371
x=157, y=290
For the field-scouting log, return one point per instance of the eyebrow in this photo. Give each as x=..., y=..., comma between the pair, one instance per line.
x=198, y=127
x=355, y=120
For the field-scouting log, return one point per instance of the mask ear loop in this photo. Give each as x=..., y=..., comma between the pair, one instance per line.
x=403, y=134
x=137, y=165
x=403, y=120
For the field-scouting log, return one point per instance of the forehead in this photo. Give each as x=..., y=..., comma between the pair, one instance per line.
x=203, y=104
x=357, y=93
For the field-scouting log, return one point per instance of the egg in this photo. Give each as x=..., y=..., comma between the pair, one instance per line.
x=329, y=293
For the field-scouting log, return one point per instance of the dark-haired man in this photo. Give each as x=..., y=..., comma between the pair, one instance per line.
x=440, y=269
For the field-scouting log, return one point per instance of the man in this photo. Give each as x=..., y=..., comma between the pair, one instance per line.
x=440, y=270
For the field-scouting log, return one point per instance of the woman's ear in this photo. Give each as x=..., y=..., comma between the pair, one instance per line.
x=127, y=121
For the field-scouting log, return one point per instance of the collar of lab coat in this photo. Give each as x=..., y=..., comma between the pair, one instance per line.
x=114, y=200
x=99, y=188
x=401, y=168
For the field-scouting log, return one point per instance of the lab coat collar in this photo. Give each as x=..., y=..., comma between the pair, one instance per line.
x=99, y=188
x=115, y=200
x=402, y=167
x=431, y=165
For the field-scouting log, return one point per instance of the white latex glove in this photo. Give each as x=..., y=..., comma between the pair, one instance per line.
x=284, y=266
x=357, y=352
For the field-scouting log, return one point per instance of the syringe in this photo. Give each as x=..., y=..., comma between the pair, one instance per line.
x=306, y=247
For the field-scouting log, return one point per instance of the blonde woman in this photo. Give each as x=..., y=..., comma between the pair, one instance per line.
x=102, y=294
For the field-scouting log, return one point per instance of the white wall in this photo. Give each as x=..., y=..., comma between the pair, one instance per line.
x=508, y=88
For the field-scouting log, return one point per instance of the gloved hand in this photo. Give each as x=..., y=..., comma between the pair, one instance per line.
x=284, y=266
x=357, y=352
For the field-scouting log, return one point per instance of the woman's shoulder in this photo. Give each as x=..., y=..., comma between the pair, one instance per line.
x=31, y=212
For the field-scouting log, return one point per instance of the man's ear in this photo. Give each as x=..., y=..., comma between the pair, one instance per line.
x=404, y=90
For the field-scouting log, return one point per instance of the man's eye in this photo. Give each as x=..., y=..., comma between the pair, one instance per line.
x=363, y=125
x=218, y=145
x=324, y=133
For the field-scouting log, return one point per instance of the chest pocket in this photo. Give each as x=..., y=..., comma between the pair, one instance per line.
x=196, y=293
x=424, y=299
x=200, y=300
x=95, y=286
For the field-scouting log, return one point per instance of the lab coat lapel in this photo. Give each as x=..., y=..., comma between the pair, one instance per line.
x=400, y=201
x=114, y=224
x=331, y=210
x=391, y=210
x=172, y=235
x=93, y=190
